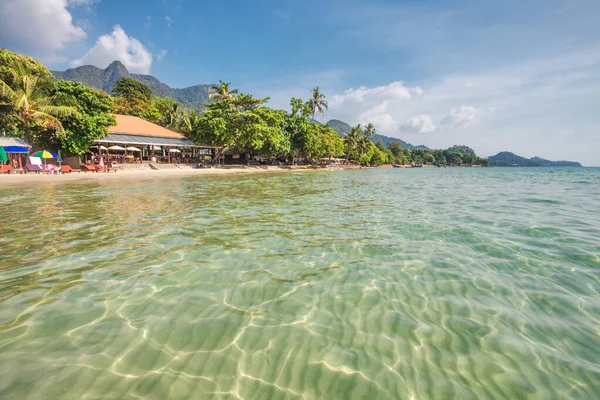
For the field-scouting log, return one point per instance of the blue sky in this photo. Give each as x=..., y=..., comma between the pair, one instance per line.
x=510, y=75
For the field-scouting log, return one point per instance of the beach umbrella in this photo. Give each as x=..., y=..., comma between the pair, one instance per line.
x=101, y=147
x=156, y=148
x=175, y=150
x=131, y=148
x=116, y=148
x=44, y=154
x=3, y=155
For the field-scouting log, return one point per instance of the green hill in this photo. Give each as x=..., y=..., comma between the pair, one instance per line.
x=104, y=79
x=508, y=159
x=342, y=128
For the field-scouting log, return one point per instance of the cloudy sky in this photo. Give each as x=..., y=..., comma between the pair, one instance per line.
x=518, y=75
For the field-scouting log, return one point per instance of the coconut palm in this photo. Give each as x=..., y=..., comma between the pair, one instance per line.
x=189, y=122
x=351, y=140
x=317, y=102
x=363, y=145
x=30, y=100
x=369, y=130
x=222, y=91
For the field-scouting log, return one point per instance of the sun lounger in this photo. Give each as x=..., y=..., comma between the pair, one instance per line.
x=88, y=168
x=35, y=168
x=66, y=169
x=105, y=169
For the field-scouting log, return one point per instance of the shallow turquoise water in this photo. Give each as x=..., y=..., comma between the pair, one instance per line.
x=372, y=284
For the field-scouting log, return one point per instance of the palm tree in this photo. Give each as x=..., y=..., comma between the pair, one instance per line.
x=363, y=145
x=30, y=100
x=189, y=122
x=351, y=140
x=369, y=130
x=222, y=92
x=317, y=102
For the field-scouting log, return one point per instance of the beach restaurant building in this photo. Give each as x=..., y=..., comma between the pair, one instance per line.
x=134, y=140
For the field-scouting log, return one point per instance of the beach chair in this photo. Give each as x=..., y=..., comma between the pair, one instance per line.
x=105, y=169
x=66, y=169
x=35, y=165
x=6, y=169
x=88, y=168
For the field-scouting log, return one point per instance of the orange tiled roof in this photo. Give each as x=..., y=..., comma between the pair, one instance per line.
x=127, y=124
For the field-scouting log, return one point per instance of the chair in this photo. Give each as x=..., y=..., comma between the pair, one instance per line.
x=35, y=165
x=105, y=169
x=88, y=168
x=6, y=169
x=66, y=169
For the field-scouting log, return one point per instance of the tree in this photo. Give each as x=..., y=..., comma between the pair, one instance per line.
x=333, y=144
x=380, y=145
x=189, y=122
x=243, y=122
x=134, y=98
x=317, y=102
x=351, y=140
x=30, y=100
x=370, y=131
x=222, y=91
x=365, y=149
x=130, y=88
x=304, y=135
x=8, y=59
x=91, y=121
x=395, y=148
x=379, y=157
x=170, y=112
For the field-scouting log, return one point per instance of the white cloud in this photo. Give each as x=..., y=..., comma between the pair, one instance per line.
x=161, y=54
x=463, y=116
x=82, y=2
x=169, y=21
x=395, y=90
x=379, y=116
x=419, y=124
x=40, y=28
x=118, y=46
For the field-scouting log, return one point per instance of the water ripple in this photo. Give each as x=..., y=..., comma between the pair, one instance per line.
x=443, y=283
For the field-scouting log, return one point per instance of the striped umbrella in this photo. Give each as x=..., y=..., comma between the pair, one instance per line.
x=44, y=154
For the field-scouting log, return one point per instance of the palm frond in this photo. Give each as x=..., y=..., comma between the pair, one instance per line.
x=6, y=91
x=47, y=120
x=58, y=111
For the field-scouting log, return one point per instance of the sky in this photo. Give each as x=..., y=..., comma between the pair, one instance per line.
x=512, y=75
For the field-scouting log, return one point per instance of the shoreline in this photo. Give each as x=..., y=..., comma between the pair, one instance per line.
x=32, y=179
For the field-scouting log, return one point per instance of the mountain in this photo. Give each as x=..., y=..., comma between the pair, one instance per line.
x=342, y=128
x=105, y=79
x=508, y=159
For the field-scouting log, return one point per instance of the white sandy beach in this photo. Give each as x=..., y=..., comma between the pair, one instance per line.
x=15, y=180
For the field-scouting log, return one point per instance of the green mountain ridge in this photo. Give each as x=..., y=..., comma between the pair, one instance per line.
x=104, y=79
x=508, y=159
x=342, y=128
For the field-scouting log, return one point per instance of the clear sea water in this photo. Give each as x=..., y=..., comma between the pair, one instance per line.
x=371, y=284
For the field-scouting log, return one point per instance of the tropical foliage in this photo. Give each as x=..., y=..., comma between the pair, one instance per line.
x=91, y=121
x=27, y=98
x=72, y=116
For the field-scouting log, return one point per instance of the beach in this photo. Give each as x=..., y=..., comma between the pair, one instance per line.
x=29, y=179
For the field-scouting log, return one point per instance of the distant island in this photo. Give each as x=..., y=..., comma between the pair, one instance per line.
x=508, y=159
